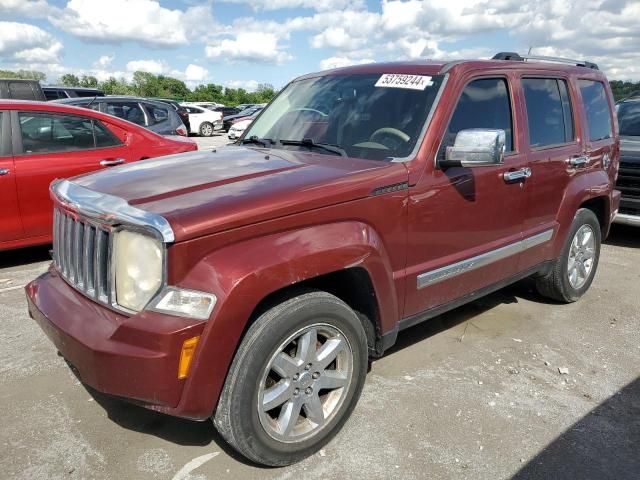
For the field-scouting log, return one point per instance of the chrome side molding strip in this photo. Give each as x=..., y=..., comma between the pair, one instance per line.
x=444, y=273
x=108, y=209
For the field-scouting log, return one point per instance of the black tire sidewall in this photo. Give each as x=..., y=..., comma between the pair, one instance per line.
x=583, y=217
x=244, y=390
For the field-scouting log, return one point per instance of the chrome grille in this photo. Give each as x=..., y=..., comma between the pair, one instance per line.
x=81, y=255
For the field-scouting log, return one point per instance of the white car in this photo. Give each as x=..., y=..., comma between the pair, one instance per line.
x=238, y=128
x=203, y=121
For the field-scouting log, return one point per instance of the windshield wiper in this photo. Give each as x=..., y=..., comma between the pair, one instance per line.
x=265, y=142
x=308, y=142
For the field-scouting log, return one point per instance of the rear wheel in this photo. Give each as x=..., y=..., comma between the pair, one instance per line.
x=296, y=377
x=206, y=129
x=572, y=273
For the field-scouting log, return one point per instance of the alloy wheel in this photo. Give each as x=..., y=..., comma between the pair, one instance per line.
x=581, y=256
x=305, y=383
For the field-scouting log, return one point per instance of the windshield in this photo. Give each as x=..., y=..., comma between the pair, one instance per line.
x=374, y=117
x=629, y=119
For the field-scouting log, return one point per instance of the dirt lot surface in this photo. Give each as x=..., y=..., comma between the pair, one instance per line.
x=477, y=393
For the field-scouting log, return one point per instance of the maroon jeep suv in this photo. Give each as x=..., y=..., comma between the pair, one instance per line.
x=252, y=284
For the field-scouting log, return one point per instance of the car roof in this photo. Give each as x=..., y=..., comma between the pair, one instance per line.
x=117, y=98
x=428, y=67
x=80, y=89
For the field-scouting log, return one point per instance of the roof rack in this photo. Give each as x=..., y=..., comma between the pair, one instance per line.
x=522, y=58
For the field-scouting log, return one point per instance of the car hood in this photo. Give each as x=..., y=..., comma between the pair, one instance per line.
x=208, y=191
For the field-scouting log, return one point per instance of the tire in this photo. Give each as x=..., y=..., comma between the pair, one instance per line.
x=253, y=420
x=560, y=283
x=206, y=129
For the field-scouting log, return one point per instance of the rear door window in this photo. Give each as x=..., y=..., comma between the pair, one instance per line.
x=49, y=133
x=549, y=112
x=46, y=132
x=21, y=91
x=484, y=103
x=596, y=106
x=157, y=114
x=130, y=111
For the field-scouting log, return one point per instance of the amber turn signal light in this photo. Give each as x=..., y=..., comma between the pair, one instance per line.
x=186, y=355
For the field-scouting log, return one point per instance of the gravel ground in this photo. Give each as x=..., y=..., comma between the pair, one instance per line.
x=476, y=393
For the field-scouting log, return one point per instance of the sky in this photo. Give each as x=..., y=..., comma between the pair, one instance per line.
x=243, y=43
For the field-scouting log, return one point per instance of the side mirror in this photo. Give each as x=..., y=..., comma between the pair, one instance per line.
x=476, y=147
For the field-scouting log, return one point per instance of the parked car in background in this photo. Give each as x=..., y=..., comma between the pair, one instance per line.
x=226, y=111
x=251, y=284
x=238, y=127
x=156, y=116
x=203, y=121
x=40, y=142
x=18, y=89
x=246, y=113
x=180, y=110
x=58, y=92
x=628, y=182
x=208, y=105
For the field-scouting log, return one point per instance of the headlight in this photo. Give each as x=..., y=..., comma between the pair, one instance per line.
x=137, y=263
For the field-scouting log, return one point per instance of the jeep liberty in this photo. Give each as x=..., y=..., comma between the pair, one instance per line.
x=251, y=285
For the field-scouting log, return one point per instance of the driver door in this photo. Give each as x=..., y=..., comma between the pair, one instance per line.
x=465, y=224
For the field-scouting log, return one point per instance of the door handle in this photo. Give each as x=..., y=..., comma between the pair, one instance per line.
x=517, y=175
x=111, y=163
x=4, y=171
x=578, y=162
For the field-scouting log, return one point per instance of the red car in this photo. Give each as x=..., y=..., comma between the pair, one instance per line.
x=40, y=142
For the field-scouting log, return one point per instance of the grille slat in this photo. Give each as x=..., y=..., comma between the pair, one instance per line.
x=81, y=255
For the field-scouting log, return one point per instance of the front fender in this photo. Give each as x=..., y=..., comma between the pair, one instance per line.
x=244, y=273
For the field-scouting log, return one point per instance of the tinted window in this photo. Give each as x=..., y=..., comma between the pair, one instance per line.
x=597, y=108
x=629, y=118
x=157, y=114
x=21, y=91
x=104, y=137
x=548, y=111
x=51, y=94
x=483, y=104
x=45, y=132
x=128, y=110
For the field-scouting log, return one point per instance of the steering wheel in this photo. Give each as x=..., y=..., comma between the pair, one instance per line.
x=388, y=131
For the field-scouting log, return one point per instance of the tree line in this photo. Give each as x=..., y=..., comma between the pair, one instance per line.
x=145, y=84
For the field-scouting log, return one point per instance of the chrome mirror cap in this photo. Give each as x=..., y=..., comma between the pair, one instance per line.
x=476, y=147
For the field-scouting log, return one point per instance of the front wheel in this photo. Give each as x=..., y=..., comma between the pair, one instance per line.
x=296, y=377
x=572, y=273
x=206, y=129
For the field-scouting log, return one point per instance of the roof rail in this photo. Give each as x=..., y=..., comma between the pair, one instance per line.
x=522, y=58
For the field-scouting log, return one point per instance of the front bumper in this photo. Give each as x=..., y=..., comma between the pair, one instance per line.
x=626, y=219
x=132, y=357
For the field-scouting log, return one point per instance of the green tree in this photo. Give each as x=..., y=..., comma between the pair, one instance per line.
x=89, y=81
x=69, y=80
x=113, y=86
x=26, y=74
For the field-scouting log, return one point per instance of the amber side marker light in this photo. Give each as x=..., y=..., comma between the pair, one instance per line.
x=186, y=355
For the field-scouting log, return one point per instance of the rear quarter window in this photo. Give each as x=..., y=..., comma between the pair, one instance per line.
x=21, y=91
x=596, y=107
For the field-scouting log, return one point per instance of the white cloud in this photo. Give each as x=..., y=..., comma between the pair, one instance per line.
x=248, y=85
x=142, y=21
x=152, y=66
x=314, y=4
x=27, y=8
x=104, y=61
x=339, y=62
x=27, y=43
x=255, y=47
x=195, y=73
